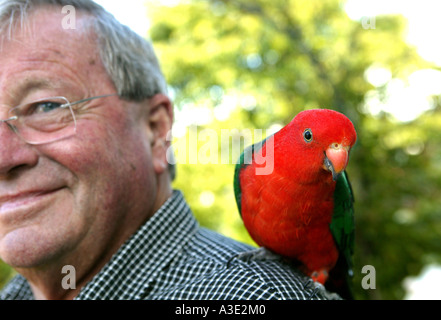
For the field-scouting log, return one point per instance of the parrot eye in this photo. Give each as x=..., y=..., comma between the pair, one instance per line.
x=307, y=135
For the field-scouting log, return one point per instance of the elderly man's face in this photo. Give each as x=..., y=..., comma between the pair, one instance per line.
x=76, y=198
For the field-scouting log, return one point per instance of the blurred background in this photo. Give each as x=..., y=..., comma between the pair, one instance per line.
x=254, y=64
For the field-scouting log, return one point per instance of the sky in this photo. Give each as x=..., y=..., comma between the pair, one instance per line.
x=407, y=98
x=129, y=12
x=422, y=15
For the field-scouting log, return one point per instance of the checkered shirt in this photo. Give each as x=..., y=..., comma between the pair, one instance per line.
x=172, y=257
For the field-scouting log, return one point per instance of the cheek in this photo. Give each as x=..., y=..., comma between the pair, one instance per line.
x=110, y=180
x=101, y=146
x=111, y=162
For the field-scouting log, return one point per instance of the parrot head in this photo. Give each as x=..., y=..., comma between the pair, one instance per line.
x=324, y=138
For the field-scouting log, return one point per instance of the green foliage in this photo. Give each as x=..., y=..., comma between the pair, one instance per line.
x=247, y=64
x=272, y=59
x=5, y=273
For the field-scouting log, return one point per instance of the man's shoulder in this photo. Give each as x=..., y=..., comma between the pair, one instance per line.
x=209, y=267
x=16, y=289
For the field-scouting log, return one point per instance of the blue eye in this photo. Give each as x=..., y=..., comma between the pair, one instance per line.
x=38, y=107
x=307, y=135
x=45, y=106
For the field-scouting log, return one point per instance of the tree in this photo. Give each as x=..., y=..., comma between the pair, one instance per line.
x=240, y=65
x=5, y=273
x=257, y=64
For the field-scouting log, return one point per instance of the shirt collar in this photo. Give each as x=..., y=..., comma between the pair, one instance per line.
x=137, y=263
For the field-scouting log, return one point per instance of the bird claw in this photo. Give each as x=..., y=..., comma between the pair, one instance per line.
x=258, y=254
x=320, y=276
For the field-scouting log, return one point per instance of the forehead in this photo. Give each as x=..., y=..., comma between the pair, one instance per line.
x=327, y=125
x=42, y=48
x=46, y=24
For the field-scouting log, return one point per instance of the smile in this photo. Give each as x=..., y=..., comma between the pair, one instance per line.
x=25, y=202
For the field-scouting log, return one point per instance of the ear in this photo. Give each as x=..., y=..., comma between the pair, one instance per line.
x=160, y=120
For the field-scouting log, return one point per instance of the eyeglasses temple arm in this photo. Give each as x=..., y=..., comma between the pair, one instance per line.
x=88, y=99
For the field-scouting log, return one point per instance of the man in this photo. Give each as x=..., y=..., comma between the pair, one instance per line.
x=84, y=178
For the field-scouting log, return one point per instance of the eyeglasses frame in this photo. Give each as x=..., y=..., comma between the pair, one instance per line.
x=66, y=105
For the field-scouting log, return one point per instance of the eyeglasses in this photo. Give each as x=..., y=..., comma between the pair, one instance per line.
x=45, y=120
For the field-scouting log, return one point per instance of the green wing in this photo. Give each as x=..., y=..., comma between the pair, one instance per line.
x=244, y=160
x=237, y=190
x=343, y=224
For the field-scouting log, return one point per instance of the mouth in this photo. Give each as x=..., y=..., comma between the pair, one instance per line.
x=23, y=203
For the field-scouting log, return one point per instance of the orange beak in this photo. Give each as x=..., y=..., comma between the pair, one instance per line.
x=336, y=159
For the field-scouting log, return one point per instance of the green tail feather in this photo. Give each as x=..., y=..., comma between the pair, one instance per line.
x=237, y=190
x=343, y=224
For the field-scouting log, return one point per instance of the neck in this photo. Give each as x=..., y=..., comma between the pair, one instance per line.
x=63, y=277
x=59, y=281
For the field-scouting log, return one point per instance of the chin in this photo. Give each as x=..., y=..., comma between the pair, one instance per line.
x=26, y=247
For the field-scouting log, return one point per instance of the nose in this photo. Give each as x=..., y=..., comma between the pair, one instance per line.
x=14, y=152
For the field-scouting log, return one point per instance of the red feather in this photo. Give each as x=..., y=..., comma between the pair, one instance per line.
x=289, y=210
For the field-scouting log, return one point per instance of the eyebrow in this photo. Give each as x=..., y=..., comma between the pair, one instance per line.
x=29, y=85
x=32, y=84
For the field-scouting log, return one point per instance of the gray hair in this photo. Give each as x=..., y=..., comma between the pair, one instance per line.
x=129, y=59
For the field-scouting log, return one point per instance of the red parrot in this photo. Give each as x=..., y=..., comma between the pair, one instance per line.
x=302, y=209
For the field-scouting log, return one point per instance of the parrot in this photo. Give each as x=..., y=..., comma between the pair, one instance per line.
x=303, y=209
